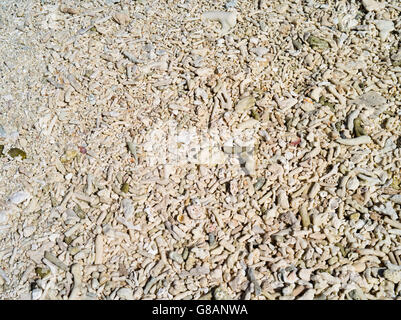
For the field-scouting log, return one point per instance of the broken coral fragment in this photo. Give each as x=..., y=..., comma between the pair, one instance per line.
x=227, y=19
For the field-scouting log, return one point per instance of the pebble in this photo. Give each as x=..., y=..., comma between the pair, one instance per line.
x=392, y=275
x=385, y=27
x=196, y=212
x=305, y=274
x=245, y=104
x=227, y=19
x=175, y=256
x=3, y=133
x=318, y=43
x=308, y=295
x=125, y=294
x=57, y=262
x=355, y=141
x=287, y=103
x=19, y=197
x=316, y=93
x=99, y=249
x=36, y=293
x=69, y=10
x=314, y=190
x=259, y=183
x=28, y=231
x=307, y=106
x=396, y=198
x=128, y=208
x=372, y=5
x=282, y=199
x=3, y=216
x=353, y=184
x=303, y=211
x=76, y=271
x=357, y=294
x=220, y=294
x=359, y=267
x=371, y=99
x=121, y=18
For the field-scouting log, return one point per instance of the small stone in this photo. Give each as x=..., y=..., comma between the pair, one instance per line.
x=28, y=231
x=68, y=156
x=309, y=61
x=282, y=199
x=259, y=183
x=396, y=198
x=318, y=44
x=288, y=218
x=355, y=216
x=357, y=294
x=99, y=241
x=212, y=239
x=125, y=294
x=245, y=104
x=42, y=272
x=359, y=267
x=36, y=294
x=334, y=203
x=332, y=260
x=3, y=132
x=392, y=275
x=303, y=211
x=65, y=9
x=175, y=256
x=128, y=208
x=125, y=187
x=3, y=217
x=233, y=187
x=196, y=212
x=372, y=5
x=227, y=19
x=105, y=193
x=305, y=274
x=314, y=190
x=190, y=262
x=275, y=169
x=385, y=27
x=308, y=295
x=19, y=197
x=200, y=253
x=250, y=163
x=353, y=184
x=316, y=93
x=79, y=212
x=358, y=129
x=396, y=57
x=287, y=103
x=297, y=44
x=121, y=18
x=16, y=152
x=95, y=284
x=371, y=99
x=220, y=294
x=260, y=51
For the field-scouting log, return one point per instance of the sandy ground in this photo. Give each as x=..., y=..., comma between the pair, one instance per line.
x=91, y=207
